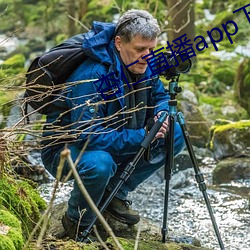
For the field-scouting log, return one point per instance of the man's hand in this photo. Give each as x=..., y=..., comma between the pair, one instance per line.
x=164, y=128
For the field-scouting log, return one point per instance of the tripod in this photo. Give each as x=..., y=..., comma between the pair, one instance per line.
x=169, y=163
x=129, y=169
x=173, y=90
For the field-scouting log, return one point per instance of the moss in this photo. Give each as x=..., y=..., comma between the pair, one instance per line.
x=16, y=61
x=128, y=244
x=235, y=125
x=22, y=200
x=238, y=128
x=66, y=245
x=9, y=219
x=13, y=70
x=13, y=239
x=16, y=237
x=214, y=101
x=6, y=243
x=219, y=104
x=225, y=75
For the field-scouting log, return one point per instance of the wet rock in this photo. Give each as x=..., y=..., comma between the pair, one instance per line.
x=197, y=125
x=181, y=179
x=150, y=234
x=231, y=169
x=31, y=167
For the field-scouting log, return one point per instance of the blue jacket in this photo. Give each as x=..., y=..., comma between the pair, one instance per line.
x=89, y=116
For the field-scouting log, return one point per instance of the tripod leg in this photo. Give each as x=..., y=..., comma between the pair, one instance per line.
x=199, y=176
x=129, y=169
x=168, y=173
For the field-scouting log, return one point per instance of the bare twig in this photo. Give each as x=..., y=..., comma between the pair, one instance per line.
x=77, y=21
x=99, y=238
x=66, y=154
x=137, y=236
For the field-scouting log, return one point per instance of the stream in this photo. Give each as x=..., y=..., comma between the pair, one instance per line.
x=187, y=212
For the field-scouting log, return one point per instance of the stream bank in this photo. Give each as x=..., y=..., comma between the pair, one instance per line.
x=188, y=216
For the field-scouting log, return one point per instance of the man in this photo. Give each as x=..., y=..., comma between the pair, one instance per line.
x=109, y=117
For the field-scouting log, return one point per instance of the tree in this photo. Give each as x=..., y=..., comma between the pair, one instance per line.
x=181, y=19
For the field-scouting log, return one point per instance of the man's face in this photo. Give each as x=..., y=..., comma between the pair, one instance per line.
x=135, y=50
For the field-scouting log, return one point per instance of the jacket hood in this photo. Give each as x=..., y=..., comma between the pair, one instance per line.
x=98, y=42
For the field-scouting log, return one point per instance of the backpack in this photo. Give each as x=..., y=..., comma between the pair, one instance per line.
x=47, y=74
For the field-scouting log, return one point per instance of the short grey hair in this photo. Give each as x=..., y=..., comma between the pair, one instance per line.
x=137, y=22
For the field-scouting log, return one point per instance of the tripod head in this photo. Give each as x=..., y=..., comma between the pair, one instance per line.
x=174, y=89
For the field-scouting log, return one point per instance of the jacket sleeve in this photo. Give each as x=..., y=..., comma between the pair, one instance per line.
x=160, y=96
x=88, y=117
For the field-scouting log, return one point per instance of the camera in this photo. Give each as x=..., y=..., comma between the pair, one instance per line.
x=178, y=66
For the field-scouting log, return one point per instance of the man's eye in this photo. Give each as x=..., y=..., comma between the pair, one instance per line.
x=140, y=49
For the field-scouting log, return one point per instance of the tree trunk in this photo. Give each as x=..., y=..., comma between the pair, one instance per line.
x=83, y=7
x=181, y=19
x=72, y=13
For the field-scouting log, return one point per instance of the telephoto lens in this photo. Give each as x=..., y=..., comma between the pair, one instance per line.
x=177, y=65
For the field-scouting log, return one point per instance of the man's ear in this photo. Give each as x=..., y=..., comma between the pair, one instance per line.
x=118, y=42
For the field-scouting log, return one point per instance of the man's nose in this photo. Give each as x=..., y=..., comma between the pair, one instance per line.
x=146, y=54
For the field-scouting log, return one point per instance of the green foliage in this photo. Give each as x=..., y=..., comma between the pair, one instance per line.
x=16, y=61
x=13, y=66
x=212, y=75
x=223, y=12
x=214, y=101
x=225, y=75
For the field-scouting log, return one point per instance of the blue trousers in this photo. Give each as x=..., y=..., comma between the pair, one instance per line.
x=100, y=170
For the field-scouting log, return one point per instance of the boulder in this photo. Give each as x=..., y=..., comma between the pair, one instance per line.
x=197, y=125
x=150, y=235
x=231, y=169
x=231, y=139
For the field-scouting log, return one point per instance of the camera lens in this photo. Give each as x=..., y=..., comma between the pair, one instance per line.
x=182, y=67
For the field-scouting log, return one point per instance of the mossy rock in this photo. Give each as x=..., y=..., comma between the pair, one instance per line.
x=10, y=231
x=22, y=200
x=232, y=139
x=150, y=235
x=128, y=244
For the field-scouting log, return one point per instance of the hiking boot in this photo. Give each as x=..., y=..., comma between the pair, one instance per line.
x=75, y=231
x=121, y=211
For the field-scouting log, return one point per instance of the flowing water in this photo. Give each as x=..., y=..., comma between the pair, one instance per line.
x=187, y=212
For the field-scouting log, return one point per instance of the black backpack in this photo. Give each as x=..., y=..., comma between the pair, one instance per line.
x=48, y=73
